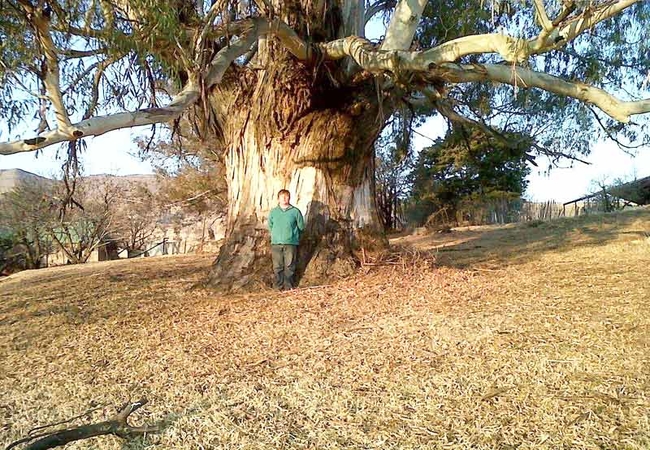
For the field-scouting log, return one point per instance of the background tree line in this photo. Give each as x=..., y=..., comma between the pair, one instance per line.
x=38, y=220
x=41, y=218
x=468, y=176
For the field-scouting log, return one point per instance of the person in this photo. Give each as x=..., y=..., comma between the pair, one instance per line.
x=285, y=224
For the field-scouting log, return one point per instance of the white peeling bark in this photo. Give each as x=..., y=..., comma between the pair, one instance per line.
x=51, y=77
x=353, y=14
x=97, y=126
x=524, y=78
x=541, y=15
x=563, y=30
x=403, y=24
x=396, y=61
x=334, y=213
x=433, y=63
x=509, y=48
x=331, y=183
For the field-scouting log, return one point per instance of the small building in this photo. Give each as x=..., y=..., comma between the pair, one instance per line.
x=633, y=193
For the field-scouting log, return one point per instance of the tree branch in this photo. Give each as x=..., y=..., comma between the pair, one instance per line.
x=377, y=7
x=354, y=14
x=51, y=76
x=81, y=76
x=542, y=16
x=611, y=136
x=188, y=96
x=97, y=78
x=72, y=53
x=514, y=49
x=216, y=7
x=557, y=36
x=99, y=125
x=429, y=64
x=525, y=78
x=403, y=24
x=116, y=425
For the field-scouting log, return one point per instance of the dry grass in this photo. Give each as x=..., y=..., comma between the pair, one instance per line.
x=523, y=337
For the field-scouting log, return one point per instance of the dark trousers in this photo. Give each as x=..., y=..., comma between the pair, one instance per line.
x=284, y=265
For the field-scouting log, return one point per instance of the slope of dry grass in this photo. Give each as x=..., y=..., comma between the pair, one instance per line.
x=519, y=337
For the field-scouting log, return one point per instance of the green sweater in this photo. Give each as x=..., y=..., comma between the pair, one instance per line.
x=285, y=225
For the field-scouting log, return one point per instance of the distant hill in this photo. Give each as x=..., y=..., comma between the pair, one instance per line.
x=126, y=181
x=10, y=178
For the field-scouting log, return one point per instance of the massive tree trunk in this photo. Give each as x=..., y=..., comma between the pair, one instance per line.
x=284, y=129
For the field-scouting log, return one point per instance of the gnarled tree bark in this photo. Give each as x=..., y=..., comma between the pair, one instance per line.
x=282, y=130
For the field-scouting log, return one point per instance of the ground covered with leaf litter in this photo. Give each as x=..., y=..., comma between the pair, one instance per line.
x=528, y=336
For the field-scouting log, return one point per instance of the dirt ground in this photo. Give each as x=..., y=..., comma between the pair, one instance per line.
x=527, y=336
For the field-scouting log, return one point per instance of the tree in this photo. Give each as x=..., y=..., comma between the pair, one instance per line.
x=88, y=222
x=466, y=173
x=392, y=187
x=393, y=162
x=26, y=211
x=190, y=173
x=135, y=219
x=293, y=96
x=607, y=195
x=9, y=262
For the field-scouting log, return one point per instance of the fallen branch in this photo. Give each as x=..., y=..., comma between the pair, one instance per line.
x=50, y=425
x=116, y=425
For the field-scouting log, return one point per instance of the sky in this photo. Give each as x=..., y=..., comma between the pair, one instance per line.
x=116, y=153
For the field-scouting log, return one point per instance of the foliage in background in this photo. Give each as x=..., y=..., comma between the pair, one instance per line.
x=136, y=218
x=86, y=225
x=467, y=177
x=35, y=223
x=393, y=161
x=190, y=172
x=24, y=238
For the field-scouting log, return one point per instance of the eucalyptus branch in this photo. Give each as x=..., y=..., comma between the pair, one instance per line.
x=611, y=136
x=117, y=425
x=51, y=76
x=403, y=24
x=428, y=63
x=404, y=69
x=542, y=16
x=97, y=78
x=73, y=54
x=99, y=125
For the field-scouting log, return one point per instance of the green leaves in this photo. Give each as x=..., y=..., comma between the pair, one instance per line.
x=468, y=166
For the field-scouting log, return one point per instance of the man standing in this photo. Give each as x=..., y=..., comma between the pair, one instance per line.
x=286, y=224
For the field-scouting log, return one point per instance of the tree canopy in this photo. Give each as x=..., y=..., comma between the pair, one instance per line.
x=141, y=62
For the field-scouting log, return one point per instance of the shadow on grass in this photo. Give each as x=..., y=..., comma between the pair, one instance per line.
x=85, y=294
x=520, y=243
